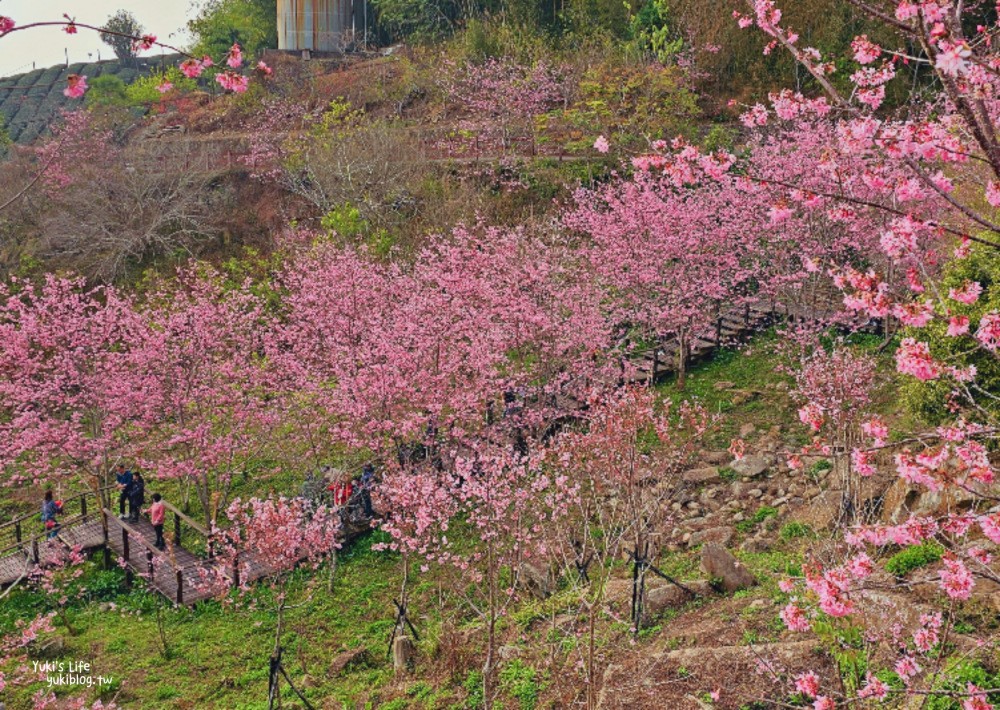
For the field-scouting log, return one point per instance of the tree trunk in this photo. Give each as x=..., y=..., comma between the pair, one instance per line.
x=404, y=654
x=682, y=360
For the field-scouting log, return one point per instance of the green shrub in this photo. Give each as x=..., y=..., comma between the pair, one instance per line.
x=931, y=401
x=914, y=557
x=794, y=530
x=762, y=514
x=956, y=678
x=728, y=475
x=145, y=91
x=105, y=585
x=107, y=90
x=820, y=467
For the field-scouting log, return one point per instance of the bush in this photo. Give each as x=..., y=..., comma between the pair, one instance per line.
x=956, y=679
x=107, y=90
x=105, y=584
x=915, y=557
x=474, y=687
x=145, y=91
x=793, y=530
x=931, y=401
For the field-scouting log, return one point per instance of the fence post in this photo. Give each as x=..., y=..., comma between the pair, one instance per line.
x=149, y=564
x=180, y=587
x=177, y=529
x=83, y=507
x=125, y=550
x=34, y=550
x=105, y=535
x=17, y=532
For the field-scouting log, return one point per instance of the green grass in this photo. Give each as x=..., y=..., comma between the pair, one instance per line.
x=219, y=656
x=755, y=395
x=795, y=530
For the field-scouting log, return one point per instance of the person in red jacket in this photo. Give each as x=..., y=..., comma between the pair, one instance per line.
x=341, y=491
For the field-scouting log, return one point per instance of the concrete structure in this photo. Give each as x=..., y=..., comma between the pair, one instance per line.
x=322, y=25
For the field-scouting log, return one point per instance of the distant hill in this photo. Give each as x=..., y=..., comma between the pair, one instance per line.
x=29, y=102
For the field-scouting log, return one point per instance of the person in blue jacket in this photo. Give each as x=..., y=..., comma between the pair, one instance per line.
x=124, y=479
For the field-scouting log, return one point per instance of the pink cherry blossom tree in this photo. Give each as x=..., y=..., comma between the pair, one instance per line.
x=928, y=175
x=503, y=97
x=202, y=363
x=613, y=479
x=273, y=535
x=71, y=407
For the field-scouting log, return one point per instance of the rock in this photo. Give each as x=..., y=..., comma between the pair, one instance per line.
x=747, y=429
x=717, y=563
x=670, y=596
x=739, y=517
x=717, y=458
x=701, y=476
x=51, y=647
x=778, y=502
x=750, y=466
x=902, y=500
x=755, y=493
x=536, y=580
x=756, y=544
x=347, y=659
x=720, y=536
x=723, y=385
x=507, y=652
x=743, y=396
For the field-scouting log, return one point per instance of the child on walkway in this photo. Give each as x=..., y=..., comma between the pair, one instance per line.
x=157, y=513
x=50, y=509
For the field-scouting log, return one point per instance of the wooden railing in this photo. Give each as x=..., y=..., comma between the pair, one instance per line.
x=180, y=518
x=154, y=558
x=24, y=531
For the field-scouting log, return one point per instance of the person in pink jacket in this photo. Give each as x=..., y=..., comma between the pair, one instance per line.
x=157, y=514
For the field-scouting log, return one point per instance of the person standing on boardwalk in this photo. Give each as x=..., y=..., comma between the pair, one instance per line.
x=124, y=478
x=157, y=513
x=50, y=509
x=136, y=497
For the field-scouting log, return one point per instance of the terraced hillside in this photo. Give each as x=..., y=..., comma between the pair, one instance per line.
x=29, y=102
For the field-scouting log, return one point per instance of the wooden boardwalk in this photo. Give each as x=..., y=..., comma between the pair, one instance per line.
x=185, y=572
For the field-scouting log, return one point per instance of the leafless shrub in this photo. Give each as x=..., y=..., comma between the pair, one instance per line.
x=154, y=201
